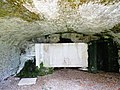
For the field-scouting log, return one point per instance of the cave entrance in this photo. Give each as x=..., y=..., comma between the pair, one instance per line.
x=103, y=56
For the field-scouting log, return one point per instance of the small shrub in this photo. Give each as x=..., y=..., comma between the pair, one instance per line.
x=31, y=71
x=44, y=70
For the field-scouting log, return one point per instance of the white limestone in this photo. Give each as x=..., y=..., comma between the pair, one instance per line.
x=27, y=81
x=62, y=54
x=48, y=7
x=39, y=54
x=99, y=15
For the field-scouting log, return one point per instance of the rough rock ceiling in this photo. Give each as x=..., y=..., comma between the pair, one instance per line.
x=21, y=20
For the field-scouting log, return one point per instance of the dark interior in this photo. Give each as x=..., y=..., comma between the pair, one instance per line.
x=107, y=56
x=103, y=56
x=65, y=40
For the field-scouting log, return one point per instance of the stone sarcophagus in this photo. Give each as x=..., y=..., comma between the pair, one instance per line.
x=62, y=54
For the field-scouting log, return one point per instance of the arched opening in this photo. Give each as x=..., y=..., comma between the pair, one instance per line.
x=103, y=56
x=107, y=56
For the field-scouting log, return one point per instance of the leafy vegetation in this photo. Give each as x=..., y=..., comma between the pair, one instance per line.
x=44, y=70
x=31, y=71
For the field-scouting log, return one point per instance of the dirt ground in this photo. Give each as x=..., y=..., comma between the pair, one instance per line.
x=68, y=79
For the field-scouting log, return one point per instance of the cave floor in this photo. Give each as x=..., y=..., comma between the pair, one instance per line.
x=68, y=79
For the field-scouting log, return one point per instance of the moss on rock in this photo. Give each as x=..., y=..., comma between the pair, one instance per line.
x=15, y=8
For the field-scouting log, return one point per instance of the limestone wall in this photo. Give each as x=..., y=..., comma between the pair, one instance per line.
x=88, y=18
x=9, y=60
x=29, y=54
x=13, y=58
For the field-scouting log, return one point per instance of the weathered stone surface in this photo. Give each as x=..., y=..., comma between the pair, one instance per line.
x=58, y=16
x=27, y=81
x=119, y=53
x=54, y=38
x=29, y=54
x=76, y=37
x=9, y=60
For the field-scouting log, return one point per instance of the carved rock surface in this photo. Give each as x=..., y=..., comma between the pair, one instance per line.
x=56, y=16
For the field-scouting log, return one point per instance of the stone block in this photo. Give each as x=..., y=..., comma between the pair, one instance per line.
x=27, y=81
